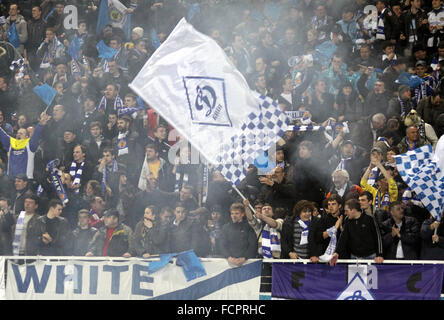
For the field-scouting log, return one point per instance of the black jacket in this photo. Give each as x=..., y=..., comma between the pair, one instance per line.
x=152, y=241
x=409, y=238
x=81, y=239
x=238, y=240
x=60, y=236
x=360, y=237
x=429, y=250
x=316, y=242
x=189, y=234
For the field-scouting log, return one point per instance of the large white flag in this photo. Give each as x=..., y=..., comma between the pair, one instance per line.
x=191, y=82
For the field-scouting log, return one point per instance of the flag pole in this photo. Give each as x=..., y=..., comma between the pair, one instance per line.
x=243, y=198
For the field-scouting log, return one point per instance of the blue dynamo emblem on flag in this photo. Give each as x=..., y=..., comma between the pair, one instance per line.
x=207, y=101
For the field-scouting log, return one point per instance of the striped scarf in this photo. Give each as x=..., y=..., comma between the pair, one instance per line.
x=372, y=177
x=118, y=104
x=319, y=127
x=382, y=202
x=341, y=165
x=122, y=145
x=49, y=54
x=332, y=233
x=76, y=173
x=304, y=235
x=380, y=31
x=270, y=241
x=402, y=105
x=18, y=233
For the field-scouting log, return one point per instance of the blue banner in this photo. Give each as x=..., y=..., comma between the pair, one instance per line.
x=352, y=282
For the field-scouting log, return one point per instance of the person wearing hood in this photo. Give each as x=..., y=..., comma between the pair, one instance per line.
x=347, y=106
x=402, y=104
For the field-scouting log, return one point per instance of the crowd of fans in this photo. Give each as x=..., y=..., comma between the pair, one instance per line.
x=372, y=75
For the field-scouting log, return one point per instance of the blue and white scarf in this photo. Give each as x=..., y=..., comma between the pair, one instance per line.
x=402, y=106
x=342, y=163
x=49, y=54
x=76, y=174
x=382, y=202
x=56, y=181
x=380, y=31
x=332, y=233
x=372, y=177
x=18, y=233
x=122, y=144
x=205, y=180
x=270, y=242
x=118, y=104
x=304, y=234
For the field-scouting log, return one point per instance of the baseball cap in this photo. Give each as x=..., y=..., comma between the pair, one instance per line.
x=420, y=63
x=377, y=149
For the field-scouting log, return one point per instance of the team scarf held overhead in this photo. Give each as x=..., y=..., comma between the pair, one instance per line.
x=76, y=174
x=270, y=241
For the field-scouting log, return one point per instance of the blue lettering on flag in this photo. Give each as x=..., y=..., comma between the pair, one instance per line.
x=31, y=273
x=138, y=278
x=115, y=276
x=207, y=101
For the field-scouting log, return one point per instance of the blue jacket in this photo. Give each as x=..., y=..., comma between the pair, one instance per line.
x=20, y=152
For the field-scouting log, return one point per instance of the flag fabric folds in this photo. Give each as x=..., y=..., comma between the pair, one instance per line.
x=191, y=82
x=190, y=263
x=46, y=93
x=422, y=170
x=105, y=51
x=112, y=12
x=13, y=36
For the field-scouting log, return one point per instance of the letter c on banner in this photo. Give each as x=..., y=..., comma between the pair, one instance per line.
x=414, y=278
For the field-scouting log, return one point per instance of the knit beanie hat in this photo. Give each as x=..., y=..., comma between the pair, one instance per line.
x=403, y=88
x=138, y=31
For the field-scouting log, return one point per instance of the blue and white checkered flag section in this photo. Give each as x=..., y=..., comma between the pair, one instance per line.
x=422, y=170
x=191, y=83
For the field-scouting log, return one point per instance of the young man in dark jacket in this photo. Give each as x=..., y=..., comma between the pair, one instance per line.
x=82, y=235
x=400, y=234
x=360, y=237
x=238, y=241
x=113, y=240
x=319, y=236
x=53, y=231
